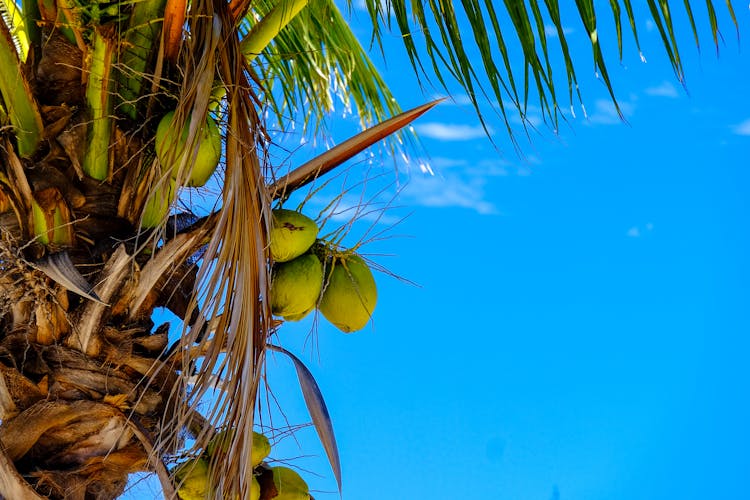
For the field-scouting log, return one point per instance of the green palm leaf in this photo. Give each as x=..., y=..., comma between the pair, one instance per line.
x=315, y=60
x=15, y=90
x=12, y=16
x=434, y=35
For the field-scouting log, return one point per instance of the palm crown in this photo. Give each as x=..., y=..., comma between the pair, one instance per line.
x=90, y=391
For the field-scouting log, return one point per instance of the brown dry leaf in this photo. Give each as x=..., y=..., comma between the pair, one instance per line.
x=117, y=400
x=44, y=385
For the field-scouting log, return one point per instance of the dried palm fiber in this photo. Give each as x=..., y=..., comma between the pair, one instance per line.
x=233, y=278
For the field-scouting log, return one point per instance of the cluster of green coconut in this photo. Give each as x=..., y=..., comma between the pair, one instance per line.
x=309, y=274
x=192, y=477
x=171, y=150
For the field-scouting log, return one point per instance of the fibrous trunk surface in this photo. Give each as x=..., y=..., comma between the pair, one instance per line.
x=83, y=391
x=86, y=379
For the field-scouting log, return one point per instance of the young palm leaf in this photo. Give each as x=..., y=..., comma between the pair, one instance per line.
x=98, y=95
x=142, y=34
x=11, y=14
x=19, y=103
x=315, y=58
x=268, y=28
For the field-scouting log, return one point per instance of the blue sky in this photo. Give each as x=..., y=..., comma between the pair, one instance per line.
x=578, y=327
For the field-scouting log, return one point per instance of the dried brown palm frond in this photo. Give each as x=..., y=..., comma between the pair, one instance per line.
x=336, y=156
x=234, y=275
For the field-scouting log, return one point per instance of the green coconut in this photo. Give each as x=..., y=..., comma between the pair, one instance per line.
x=292, y=234
x=349, y=294
x=289, y=484
x=300, y=316
x=219, y=444
x=158, y=203
x=254, y=489
x=170, y=149
x=295, y=287
x=191, y=479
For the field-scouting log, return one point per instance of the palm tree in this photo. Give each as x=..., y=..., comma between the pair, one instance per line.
x=92, y=238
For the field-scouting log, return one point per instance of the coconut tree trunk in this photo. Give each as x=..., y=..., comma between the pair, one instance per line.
x=87, y=382
x=84, y=387
x=85, y=379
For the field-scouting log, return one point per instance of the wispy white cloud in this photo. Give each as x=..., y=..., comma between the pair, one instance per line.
x=742, y=128
x=448, y=191
x=664, y=89
x=650, y=25
x=350, y=206
x=441, y=162
x=551, y=31
x=531, y=118
x=456, y=178
x=450, y=131
x=458, y=182
x=491, y=167
x=458, y=100
x=636, y=232
x=481, y=168
x=605, y=112
x=499, y=167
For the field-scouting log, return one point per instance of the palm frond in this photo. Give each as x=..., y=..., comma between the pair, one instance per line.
x=269, y=26
x=174, y=19
x=334, y=157
x=233, y=275
x=141, y=35
x=98, y=94
x=315, y=60
x=31, y=18
x=434, y=36
x=13, y=17
x=318, y=411
x=16, y=93
x=60, y=268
